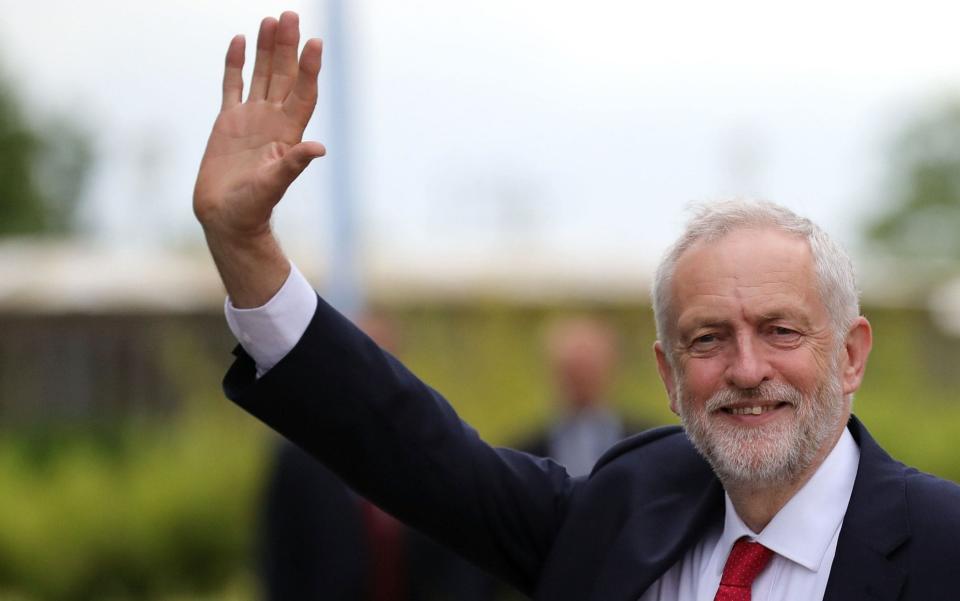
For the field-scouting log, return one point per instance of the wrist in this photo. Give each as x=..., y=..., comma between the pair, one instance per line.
x=254, y=241
x=252, y=267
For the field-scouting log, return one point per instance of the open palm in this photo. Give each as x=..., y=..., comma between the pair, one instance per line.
x=255, y=150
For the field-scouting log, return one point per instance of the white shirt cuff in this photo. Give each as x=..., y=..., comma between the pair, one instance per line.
x=271, y=331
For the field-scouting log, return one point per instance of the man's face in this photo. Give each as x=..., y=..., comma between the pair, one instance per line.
x=582, y=359
x=756, y=376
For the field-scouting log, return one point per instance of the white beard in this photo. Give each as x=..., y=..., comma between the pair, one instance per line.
x=771, y=454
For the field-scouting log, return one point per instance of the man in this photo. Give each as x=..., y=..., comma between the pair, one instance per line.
x=583, y=355
x=760, y=347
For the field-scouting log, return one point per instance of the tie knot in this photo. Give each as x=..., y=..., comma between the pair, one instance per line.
x=745, y=562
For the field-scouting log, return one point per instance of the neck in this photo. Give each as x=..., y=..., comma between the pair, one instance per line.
x=757, y=503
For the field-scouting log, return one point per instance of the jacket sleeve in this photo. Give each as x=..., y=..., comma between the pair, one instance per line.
x=397, y=442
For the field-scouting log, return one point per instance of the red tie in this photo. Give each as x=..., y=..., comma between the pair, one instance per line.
x=744, y=564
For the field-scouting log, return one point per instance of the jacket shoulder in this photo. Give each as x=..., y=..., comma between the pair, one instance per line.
x=662, y=436
x=934, y=504
x=931, y=554
x=664, y=452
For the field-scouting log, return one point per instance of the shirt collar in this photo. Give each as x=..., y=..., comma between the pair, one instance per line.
x=804, y=528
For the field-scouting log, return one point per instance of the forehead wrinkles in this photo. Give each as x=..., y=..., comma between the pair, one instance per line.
x=723, y=300
x=744, y=265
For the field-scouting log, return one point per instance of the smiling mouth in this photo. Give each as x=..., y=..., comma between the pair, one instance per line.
x=752, y=409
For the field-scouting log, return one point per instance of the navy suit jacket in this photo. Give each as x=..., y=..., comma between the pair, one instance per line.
x=606, y=537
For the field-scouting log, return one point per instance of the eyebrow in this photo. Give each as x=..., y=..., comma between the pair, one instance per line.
x=698, y=323
x=709, y=321
x=788, y=314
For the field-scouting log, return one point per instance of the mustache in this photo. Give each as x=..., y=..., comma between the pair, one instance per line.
x=767, y=392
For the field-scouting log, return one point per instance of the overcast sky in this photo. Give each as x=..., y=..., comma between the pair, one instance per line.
x=573, y=130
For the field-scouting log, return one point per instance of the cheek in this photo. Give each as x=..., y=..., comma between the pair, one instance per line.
x=805, y=369
x=700, y=379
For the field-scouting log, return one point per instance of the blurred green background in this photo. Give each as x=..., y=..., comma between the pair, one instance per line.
x=147, y=504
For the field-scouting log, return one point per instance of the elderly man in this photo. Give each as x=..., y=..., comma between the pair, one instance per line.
x=771, y=489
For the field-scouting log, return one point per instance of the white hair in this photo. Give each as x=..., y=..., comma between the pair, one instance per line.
x=710, y=222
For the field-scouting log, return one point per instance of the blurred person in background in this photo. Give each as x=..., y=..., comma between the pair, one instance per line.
x=772, y=489
x=583, y=355
x=318, y=539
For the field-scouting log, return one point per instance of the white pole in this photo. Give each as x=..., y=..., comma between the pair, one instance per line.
x=344, y=290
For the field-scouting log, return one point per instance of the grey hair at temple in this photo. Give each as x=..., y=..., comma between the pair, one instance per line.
x=711, y=221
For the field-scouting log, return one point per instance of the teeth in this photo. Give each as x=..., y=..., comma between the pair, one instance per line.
x=751, y=410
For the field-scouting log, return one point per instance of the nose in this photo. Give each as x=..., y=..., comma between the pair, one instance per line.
x=748, y=366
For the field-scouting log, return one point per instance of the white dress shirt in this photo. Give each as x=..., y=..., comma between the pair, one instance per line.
x=270, y=331
x=803, y=535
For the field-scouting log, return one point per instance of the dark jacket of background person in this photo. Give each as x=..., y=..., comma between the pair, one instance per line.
x=318, y=539
x=311, y=543
x=607, y=537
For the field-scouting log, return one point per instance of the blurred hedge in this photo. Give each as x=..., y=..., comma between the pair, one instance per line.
x=135, y=507
x=163, y=507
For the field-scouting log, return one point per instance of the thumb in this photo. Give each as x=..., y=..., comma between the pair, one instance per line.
x=295, y=160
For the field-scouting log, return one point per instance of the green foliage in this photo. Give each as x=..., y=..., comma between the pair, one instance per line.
x=168, y=510
x=22, y=206
x=42, y=170
x=923, y=216
x=910, y=399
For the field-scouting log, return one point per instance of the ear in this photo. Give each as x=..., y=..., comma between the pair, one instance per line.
x=666, y=375
x=856, y=347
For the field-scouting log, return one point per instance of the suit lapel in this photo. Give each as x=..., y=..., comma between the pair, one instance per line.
x=653, y=540
x=875, y=526
x=662, y=527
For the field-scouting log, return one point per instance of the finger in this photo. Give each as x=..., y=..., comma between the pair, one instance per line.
x=284, y=66
x=294, y=162
x=300, y=103
x=266, y=40
x=233, y=73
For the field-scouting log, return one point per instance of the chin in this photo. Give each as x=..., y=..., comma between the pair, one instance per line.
x=775, y=452
x=769, y=454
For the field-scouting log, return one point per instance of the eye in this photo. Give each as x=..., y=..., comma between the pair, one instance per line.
x=704, y=342
x=783, y=334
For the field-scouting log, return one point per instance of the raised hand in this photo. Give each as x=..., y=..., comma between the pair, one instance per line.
x=255, y=150
x=254, y=153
